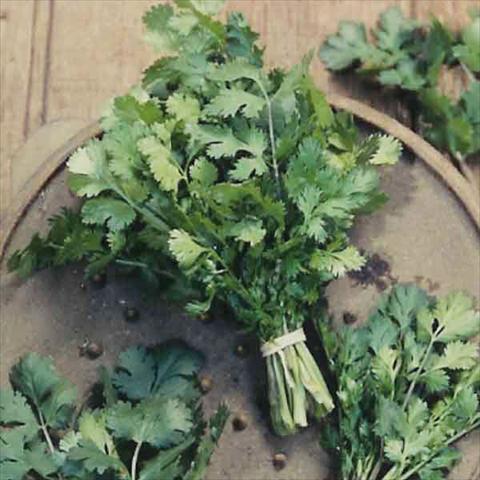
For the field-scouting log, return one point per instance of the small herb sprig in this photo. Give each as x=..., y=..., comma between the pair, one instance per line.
x=410, y=56
x=148, y=424
x=408, y=385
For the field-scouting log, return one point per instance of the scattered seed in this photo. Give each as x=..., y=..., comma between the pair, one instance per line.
x=349, y=318
x=82, y=349
x=99, y=280
x=279, y=461
x=205, y=318
x=239, y=422
x=94, y=350
x=206, y=383
x=131, y=314
x=241, y=350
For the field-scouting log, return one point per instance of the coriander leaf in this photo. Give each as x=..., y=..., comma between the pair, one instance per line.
x=185, y=250
x=115, y=213
x=230, y=101
x=245, y=167
x=314, y=224
x=207, y=444
x=130, y=110
x=456, y=317
x=96, y=449
x=85, y=186
x=471, y=100
x=183, y=107
x=394, y=29
x=406, y=74
x=223, y=143
x=435, y=380
x=167, y=463
x=404, y=303
x=457, y=356
x=468, y=52
x=17, y=459
x=466, y=405
x=204, y=172
x=241, y=40
x=388, y=151
x=177, y=366
x=249, y=231
x=349, y=45
x=235, y=70
x=157, y=421
x=92, y=427
x=53, y=397
x=16, y=413
x=323, y=113
x=159, y=157
x=69, y=441
x=158, y=34
x=208, y=7
x=337, y=262
x=94, y=459
x=384, y=368
x=121, y=145
x=89, y=160
x=382, y=332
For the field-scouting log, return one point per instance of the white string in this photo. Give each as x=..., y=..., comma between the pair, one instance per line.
x=280, y=343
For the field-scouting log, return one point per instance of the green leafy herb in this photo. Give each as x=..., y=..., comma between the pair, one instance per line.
x=238, y=183
x=408, y=386
x=409, y=56
x=150, y=401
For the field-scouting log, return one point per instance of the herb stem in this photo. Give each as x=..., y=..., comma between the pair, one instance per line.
x=468, y=72
x=44, y=429
x=48, y=438
x=135, y=461
x=272, y=135
x=417, y=373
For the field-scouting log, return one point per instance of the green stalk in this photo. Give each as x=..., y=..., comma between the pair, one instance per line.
x=298, y=392
x=282, y=420
x=418, y=372
x=296, y=387
x=314, y=382
x=135, y=461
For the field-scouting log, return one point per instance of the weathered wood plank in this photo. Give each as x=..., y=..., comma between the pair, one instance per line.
x=16, y=20
x=97, y=52
x=102, y=53
x=39, y=71
x=453, y=12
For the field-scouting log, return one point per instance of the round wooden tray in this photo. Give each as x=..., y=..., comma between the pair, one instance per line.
x=428, y=233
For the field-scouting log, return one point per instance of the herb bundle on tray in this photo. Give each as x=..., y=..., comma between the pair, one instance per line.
x=231, y=182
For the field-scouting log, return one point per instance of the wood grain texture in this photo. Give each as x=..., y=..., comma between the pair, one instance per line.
x=16, y=21
x=63, y=59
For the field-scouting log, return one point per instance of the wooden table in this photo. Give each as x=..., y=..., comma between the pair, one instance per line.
x=62, y=59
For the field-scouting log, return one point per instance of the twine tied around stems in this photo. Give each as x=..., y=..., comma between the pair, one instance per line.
x=280, y=343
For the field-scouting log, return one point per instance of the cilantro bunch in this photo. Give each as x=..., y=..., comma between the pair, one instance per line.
x=148, y=424
x=240, y=181
x=410, y=56
x=408, y=387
